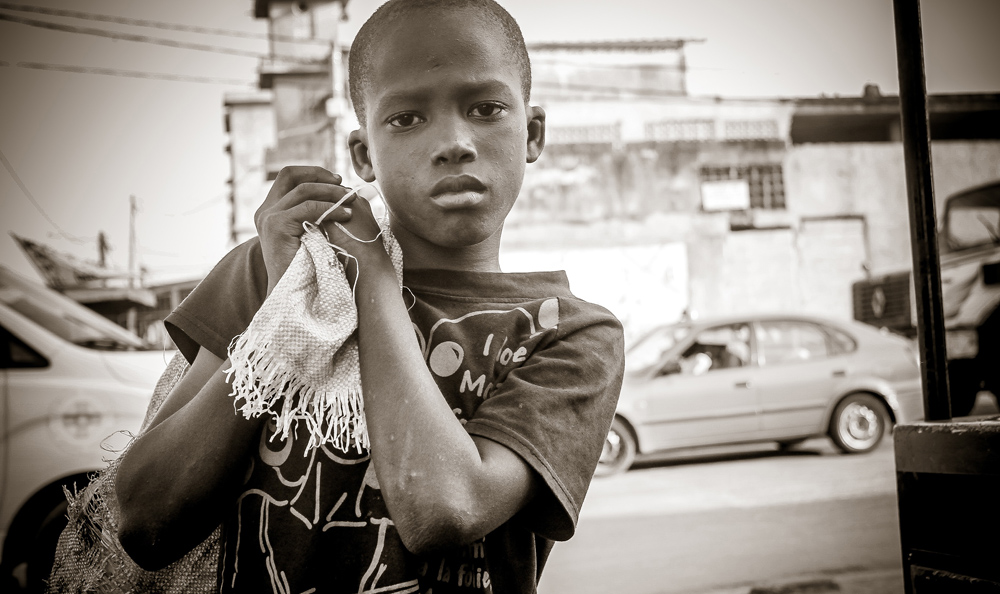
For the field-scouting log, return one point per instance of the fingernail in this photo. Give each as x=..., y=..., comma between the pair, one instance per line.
x=347, y=210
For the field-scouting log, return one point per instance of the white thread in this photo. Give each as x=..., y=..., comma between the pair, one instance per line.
x=342, y=200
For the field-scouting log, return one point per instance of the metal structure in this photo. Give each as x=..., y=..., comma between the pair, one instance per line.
x=947, y=470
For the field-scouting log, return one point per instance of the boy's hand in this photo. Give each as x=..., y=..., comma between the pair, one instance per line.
x=299, y=193
x=361, y=239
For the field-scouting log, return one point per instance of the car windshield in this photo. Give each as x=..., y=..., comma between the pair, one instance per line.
x=64, y=317
x=649, y=350
x=973, y=219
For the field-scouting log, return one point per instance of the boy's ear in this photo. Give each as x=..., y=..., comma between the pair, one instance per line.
x=536, y=132
x=357, y=143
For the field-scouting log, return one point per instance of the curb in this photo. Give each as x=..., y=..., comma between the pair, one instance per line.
x=876, y=581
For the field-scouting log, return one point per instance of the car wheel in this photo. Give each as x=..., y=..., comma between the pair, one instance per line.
x=42, y=550
x=619, y=450
x=858, y=423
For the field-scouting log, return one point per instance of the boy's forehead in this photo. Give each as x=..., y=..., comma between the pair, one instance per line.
x=437, y=38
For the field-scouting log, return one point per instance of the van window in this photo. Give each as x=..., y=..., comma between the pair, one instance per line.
x=64, y=317
x=15, y=354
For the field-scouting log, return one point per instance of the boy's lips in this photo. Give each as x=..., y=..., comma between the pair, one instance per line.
x=458, y=191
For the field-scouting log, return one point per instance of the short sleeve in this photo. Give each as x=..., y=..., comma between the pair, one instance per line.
x=555, y=411
x=222, y=305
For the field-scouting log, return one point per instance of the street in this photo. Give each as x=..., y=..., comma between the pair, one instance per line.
x=723, y=522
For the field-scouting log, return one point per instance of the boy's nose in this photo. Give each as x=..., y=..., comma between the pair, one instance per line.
x=455, y=146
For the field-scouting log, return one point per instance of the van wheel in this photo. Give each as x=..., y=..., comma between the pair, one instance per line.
x=42, y=549
x=858, y=423
x=619, y=450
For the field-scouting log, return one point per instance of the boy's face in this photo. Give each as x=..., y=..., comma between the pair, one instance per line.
x=448, y=133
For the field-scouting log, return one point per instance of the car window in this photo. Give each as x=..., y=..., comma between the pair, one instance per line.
x=64, y=317
x=649, y=350
x=973, y=219
x=720, y=347
x=786, y=342
x=841, y=342
x=15, y=354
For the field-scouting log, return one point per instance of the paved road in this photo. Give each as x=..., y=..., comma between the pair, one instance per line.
x=672, y=527
x=724, y=523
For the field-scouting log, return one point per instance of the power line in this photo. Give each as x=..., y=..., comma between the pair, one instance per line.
x=89, y=16
x=147, y=39
x=38, y=207
x=134, y=74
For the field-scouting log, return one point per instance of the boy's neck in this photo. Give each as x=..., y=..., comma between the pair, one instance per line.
x=418, y=253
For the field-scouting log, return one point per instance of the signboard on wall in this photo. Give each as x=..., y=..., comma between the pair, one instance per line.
x=725, y=194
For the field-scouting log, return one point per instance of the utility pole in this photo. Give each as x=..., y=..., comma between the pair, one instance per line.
x=132, y=243
x=102, y=249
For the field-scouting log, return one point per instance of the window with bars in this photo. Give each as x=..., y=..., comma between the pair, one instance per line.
x=751, y=130
x=606, y=133
x=681, y=130
x=765, y=182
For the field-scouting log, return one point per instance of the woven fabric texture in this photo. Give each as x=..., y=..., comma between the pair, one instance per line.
x=298, y=358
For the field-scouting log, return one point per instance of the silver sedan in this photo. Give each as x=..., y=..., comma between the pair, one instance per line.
x=777, y=378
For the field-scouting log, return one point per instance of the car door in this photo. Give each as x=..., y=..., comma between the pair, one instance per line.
x=15, y=356
x=703, y=395
x=797, y=378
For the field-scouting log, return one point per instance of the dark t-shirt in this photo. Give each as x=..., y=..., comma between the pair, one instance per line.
x=520, y=360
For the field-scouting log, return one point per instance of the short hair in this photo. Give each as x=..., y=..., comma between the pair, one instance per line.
x=364, y=45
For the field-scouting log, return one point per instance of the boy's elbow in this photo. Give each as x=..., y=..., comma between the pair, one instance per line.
x=442, y=525
x=140, y=532
x=140, y=542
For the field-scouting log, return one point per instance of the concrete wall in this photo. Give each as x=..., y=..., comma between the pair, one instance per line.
x=587, y=183
x=846, y=208
x=869, y=179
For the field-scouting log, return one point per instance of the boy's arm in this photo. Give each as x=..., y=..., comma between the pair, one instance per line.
x=175, y=481
x=441, y=485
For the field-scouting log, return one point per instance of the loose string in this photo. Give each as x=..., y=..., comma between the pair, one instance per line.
x=307, y=226
x=338, y=204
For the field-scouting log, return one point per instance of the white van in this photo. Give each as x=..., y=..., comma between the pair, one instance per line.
x=71, y=382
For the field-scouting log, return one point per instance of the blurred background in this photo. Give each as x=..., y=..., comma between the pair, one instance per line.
x=711, y=159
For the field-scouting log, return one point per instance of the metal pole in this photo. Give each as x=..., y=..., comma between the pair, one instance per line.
x=920, y=192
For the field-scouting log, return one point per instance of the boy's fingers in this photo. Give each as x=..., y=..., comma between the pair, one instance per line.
x=324, y=193
x=287, y=223
x=293, y=175
x=310, y=191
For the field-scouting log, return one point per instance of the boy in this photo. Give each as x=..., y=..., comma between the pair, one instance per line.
x=487, y=395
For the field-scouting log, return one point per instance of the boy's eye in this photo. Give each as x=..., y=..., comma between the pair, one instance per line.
x=405, y=120
x=487, y=110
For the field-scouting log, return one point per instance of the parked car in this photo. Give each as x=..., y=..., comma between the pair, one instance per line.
x=779, y=378
x=70, y=380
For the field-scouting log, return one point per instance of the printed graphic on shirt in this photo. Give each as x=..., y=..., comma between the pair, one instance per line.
x=474, y=352
x=318, y=523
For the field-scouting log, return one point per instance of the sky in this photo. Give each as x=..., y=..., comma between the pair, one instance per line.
x=79, y=145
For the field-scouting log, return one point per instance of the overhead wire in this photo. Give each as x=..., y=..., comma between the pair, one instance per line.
x=134, y=74
x=152, y=40
x=27, y=194
x=89, y=16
